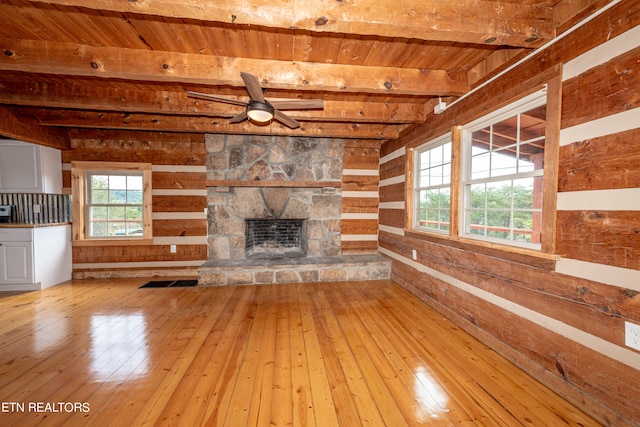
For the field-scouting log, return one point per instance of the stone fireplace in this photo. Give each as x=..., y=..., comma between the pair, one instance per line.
x=261, y=188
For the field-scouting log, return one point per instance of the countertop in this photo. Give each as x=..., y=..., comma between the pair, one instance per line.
x=25, y=225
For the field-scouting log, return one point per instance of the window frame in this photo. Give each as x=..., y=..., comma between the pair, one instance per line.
x=440, y=141
x=80, y=171
x=552, y=79
x=513, y=108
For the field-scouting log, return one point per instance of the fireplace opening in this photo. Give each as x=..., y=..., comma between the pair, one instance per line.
x=275, y=238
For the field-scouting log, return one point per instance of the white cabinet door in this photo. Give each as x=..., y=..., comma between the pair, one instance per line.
x=29, y=168
x=20, y=169
x=16, y=263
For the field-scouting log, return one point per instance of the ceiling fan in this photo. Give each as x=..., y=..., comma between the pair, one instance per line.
x=259, y=109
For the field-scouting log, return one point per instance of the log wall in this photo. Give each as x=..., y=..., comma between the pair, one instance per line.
x=561, y=316
x=180, y=198
x=360, y=199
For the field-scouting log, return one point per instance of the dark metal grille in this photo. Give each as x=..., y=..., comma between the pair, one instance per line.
x=275, y=238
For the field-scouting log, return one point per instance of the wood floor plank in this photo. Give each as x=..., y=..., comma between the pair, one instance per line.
x=324, y=408
x=377, y=380
x=281, y=407
x=335, y=352
x=301, y=399
x=307, y=354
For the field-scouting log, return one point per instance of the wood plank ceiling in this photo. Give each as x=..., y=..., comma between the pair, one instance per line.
x=69, y=65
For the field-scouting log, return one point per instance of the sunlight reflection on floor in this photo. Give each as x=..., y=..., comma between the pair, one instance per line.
x=431, y=397
x=118, y=347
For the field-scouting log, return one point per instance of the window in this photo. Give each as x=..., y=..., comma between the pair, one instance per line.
x=432, y=189
x=114, y=204
x=111, y=201
x=502, y=174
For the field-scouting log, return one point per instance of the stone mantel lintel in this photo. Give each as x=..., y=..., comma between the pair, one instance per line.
x=272, y=183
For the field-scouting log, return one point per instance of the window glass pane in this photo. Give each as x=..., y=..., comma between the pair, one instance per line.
x=477, y=196
x=505, y=132
x=98, y=229
x=133, y=213
x=117, y=196
x=100, y=196
x=533, y=123
x=481, y=139
x=118, y=228
x=481, y=165
x=134, y=229
x=424, y=179
x=117, y=182
x=523, y=193
x=503, y=162
x=115, y=213
x=522, y=225
x=134, y=197
x=99, y=181
x=499, y=195
x=134, y=183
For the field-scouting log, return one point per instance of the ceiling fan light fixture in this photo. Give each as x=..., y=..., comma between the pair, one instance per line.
x=260, y=112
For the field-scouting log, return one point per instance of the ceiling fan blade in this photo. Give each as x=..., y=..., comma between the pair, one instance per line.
x=253, y=86
x=240, y=117
x=215, y=98
x=285, y=120
x=298, y=104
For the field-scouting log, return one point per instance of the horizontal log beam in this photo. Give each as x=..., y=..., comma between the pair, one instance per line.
x=151, y=122
x=12, y=127
x=132, y=64
x=484, y=22
x=98, y=97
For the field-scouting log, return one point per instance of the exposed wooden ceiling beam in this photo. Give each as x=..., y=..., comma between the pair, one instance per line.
x=133, y=64
x=148, y=122
x=484, y=22
x=103, y=98
x=12, y=127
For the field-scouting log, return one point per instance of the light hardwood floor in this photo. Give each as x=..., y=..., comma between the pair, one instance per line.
x=349, y=354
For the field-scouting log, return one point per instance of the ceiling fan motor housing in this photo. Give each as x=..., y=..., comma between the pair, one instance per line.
x=259, y=111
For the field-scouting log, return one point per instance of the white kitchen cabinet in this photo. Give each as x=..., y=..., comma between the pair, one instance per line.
x=16, y=263
x=29, y=168
x=34, y=257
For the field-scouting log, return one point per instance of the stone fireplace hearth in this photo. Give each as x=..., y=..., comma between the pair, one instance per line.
x=254, y=179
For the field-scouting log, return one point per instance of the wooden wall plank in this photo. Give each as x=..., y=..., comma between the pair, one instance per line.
x=613, y=88
x=359, y=183
x=603, y=237
x=162, y=157
x=179, y=203
x=359, y=226
x=179, y=180
x=393, y=168
x=361, y=157
x=146, y=253
x=179, y=227
x=611, y=161
x=392, y=193
x=392, y=217
x=361, y=247
x=359, y=205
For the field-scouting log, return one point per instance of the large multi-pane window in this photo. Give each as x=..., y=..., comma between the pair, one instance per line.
x=432, y=189
x=114, y=204
x=502, y=174
x=111, y=201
